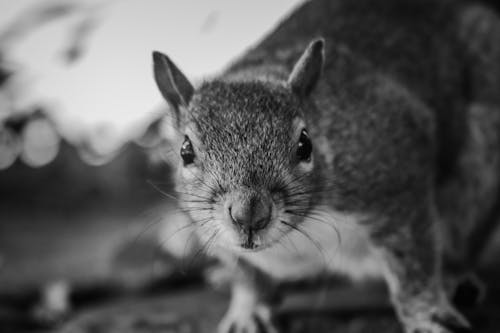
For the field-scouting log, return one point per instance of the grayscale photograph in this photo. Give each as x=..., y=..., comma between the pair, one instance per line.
x=231, y=166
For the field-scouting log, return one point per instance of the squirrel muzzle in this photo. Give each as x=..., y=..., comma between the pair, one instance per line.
x=249, y=210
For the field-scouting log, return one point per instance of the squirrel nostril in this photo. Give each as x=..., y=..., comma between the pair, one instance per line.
x=235, y=218
x=260, y=224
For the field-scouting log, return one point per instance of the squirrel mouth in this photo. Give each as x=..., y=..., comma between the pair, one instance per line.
x=249, y=243
x=249, y=246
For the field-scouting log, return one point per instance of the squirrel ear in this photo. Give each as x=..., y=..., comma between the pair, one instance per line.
x=173, y=85
x=307, y=70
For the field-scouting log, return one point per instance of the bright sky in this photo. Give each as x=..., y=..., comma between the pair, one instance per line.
x=112, y=83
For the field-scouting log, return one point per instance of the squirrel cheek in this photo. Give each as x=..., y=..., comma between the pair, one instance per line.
x=189, y=173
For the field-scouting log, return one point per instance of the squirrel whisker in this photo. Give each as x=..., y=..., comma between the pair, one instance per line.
x=205, y=247
x=194, y=223
x=314, y=216
x=306, y=235
x=208, y=199
x=284, y=234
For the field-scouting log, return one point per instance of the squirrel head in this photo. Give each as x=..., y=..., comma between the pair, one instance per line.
x=246, y=160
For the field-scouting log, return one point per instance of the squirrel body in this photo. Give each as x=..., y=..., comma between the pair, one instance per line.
x=373, y=151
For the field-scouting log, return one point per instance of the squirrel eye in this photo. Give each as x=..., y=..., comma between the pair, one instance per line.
x=304, y=147
x=187, y=152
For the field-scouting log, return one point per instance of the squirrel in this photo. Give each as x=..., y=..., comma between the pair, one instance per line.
x=359, y=138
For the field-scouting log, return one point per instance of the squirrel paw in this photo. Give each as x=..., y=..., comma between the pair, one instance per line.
x=447, y=321
x=257, y=320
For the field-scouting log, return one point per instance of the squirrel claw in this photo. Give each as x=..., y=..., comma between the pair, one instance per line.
x=256, y=321
x=453, y=323
x=447, y=322
x=439, y=318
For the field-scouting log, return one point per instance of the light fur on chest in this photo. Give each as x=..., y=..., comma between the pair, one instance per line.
x=335, y=243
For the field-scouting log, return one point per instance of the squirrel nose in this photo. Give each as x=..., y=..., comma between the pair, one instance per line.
x=253, y=213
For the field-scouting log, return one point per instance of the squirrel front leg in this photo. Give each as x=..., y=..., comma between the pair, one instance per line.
x=409, y=250
x=253, y=296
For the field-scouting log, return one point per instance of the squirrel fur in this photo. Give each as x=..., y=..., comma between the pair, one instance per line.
x=401, y=103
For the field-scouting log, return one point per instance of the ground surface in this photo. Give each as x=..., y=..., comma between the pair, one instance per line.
x=199, y=309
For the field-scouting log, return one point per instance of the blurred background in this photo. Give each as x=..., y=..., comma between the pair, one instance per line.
x=80, y=201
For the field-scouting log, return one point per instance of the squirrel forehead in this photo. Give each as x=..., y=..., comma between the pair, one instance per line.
x=249, y=121
x=220, y=103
